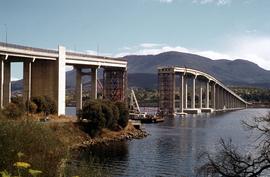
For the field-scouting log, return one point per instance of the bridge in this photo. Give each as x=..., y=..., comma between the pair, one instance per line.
x=44, y=74
x=189, y=91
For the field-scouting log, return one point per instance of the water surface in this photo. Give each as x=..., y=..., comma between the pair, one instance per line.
x=173, y=146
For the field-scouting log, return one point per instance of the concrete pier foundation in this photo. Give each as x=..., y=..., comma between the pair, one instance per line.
x=212, y=95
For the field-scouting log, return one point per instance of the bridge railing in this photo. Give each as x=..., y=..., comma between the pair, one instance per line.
x=15, y=46
x=77, y=54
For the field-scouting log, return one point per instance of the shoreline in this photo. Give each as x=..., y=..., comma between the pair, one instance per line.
x=107, y=137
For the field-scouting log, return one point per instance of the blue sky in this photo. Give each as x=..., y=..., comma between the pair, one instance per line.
x=214, y=28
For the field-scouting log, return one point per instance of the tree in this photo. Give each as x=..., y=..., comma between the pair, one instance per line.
x=230, y=161
x=13, y=111
x=123, y=114
x=45, y=104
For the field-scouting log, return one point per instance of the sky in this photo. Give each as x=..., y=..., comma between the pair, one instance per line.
x=218, y=29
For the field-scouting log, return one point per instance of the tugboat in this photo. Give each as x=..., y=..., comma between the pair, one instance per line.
x=136, y=114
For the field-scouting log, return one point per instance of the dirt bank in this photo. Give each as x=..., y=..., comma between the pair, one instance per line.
x=107, y=136
x=68, y=132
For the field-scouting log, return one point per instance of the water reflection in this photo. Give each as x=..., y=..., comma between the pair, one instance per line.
x=106, y=153
x=173, y=146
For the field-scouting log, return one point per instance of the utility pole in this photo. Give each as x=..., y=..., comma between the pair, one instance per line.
x=6, y=34
x=97, y=49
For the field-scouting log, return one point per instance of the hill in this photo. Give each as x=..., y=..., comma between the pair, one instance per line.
x=142, y=70
x=238, y=72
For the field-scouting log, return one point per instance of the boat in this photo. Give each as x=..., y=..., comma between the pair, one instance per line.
x=136, y=114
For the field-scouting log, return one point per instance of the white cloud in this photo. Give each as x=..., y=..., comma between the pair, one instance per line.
x=166, y=1
x=150, y=45
x=217, y=2
x=155, y=49
x=91, y=52
x=15, y=79
x=254, y=49
x=69, y=68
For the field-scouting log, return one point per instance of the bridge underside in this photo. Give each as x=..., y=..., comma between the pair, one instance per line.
x=44, y=74
x=187, y=91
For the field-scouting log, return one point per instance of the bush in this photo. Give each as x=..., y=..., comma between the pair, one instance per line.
x=92, y=111
x=111, y=114
x=12, y=111
x=31, y=107
x=45, y=104
x=42, y=149
x=123, y=114
x=18, y=100
x=103, y=114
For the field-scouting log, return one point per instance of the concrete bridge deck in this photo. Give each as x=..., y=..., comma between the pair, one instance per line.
x=44, y=73
x=195, y=91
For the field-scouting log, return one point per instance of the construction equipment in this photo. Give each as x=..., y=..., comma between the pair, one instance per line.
x=136, y=114
x=134, y=108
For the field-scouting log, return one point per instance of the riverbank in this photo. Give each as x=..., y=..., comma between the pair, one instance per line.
x=44, y=143
x=69, y=132
x=107, y=136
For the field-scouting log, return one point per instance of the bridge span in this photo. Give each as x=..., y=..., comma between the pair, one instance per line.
x=44, y=74
x=189, y=91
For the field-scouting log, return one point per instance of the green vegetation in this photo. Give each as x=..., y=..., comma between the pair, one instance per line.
x=45, y=105
x=254, y=95
x=22, y=169
x=30, y=107
x=123, y=114
x=41, y=147
x=46, y=145
x=13, y=111
x=104, y=114
x=146, y=97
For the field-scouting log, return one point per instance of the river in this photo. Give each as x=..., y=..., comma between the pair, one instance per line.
x=173, y=146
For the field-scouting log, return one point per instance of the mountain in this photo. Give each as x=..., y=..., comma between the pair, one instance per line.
x=238, y=72
x=142, y=70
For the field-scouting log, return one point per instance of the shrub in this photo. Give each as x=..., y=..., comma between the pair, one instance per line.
x=42, y=149
x=31, y=107
x=92, y=111
x=18, y=100
x=12, y=111
x=123, y=114
x=110, y=114
x=45, y=104
x=103, y=114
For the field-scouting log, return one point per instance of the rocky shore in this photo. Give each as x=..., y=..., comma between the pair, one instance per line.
x=106, y=137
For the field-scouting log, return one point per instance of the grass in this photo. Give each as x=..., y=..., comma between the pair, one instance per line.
x=42, y=149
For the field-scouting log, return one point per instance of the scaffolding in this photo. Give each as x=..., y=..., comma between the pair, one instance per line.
x=115, y=84
x=166, y=93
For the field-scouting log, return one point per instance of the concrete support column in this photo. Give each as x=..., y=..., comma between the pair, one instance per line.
x=213, y=96
x=227, y=99
x=220, y=98
x=6, y=84
x=1, y=82
x=27, y=74
x=230, y=100
x=193, y=97
x=201, y=99
x=78, y=88
x=217, y=100
x=182, y=93
x=186, y=93
x=61, y=80
x=207, y=94
x=94, y=83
